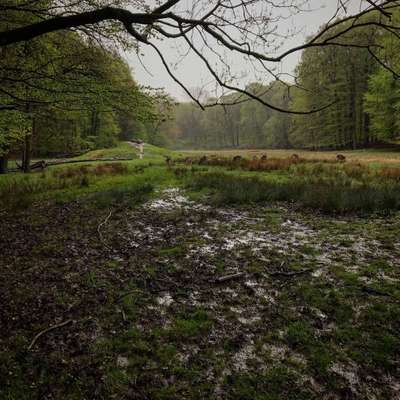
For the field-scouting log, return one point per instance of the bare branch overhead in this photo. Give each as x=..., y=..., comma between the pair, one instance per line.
x=211, y=30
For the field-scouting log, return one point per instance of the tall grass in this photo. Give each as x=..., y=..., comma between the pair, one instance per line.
x=325, y=195
x=270, y=164
x=308, y=167
x=122, y=196
x=114, y=183
x=97, y=170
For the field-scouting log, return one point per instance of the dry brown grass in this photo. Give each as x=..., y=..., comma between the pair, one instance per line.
x=389, y=173
x=271, y=164
x=98, y=170
x=362, y=156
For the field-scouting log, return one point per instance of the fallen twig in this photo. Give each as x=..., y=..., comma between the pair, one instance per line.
x=123, y=315
x=249, y=288
x=127, y=294
x=230, y=277
x=289, y=273
x=99, y=230
x=374, y=292
x=35, y=339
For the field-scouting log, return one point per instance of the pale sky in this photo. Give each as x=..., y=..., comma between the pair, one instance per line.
x=193, y=74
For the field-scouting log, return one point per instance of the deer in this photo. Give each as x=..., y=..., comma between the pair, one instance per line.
x=203, y=160
x=264, y=157
x=295, y=157
x=237, y=159
x=340, y=158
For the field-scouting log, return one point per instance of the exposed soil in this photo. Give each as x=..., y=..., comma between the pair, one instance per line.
x=315, y=313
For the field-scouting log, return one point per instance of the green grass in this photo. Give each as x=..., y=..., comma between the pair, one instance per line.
x=325, y=192
x=97, y=181
x=124, y=149
x=191, y=326
x=330, y=187
x=21, y=191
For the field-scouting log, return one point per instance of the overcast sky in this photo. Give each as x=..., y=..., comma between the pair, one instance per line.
x=191, y=72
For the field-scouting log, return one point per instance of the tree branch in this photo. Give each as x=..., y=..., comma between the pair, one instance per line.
x=73, y=21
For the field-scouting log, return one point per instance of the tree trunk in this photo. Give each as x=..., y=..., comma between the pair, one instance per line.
x=27, y=152
x=3, y=164
x=366, y=129
x=26, y=156
x=94, y=122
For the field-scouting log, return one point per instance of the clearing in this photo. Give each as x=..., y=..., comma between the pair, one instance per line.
x=166, y=294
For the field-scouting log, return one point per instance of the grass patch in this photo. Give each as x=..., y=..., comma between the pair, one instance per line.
x=192, y=325
x=277, y=383
x=122, y=196
x=325, y=194
x=104, y=184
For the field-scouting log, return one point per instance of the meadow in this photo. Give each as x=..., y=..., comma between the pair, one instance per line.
x=225, y=280
x=369, y=156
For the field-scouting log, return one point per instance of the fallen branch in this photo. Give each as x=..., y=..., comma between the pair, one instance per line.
x=230, y=277
x=289, y=273
x=374, y=292
x=43, y=164
x=61, y=162
x=123, y=314
x=250, y=288
x=35, y=339
x=127, y=294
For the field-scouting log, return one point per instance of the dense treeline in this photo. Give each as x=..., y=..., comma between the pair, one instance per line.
x=363, y=94
x=61, y=93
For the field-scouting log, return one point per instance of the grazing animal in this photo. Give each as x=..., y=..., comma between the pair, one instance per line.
x=203, y=160
x=188, y=161
x=340, y=158
x=255, y=158
x=295, y=157
x=237, y=159
x=264, y=157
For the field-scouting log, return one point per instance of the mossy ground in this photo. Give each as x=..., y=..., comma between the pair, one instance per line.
x=315, y=315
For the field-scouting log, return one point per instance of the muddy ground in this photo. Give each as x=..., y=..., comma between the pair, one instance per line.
x=177, y=299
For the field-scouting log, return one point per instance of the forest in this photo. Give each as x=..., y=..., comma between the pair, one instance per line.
x=243, y=244
x=63, y=95
x=363, y=93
